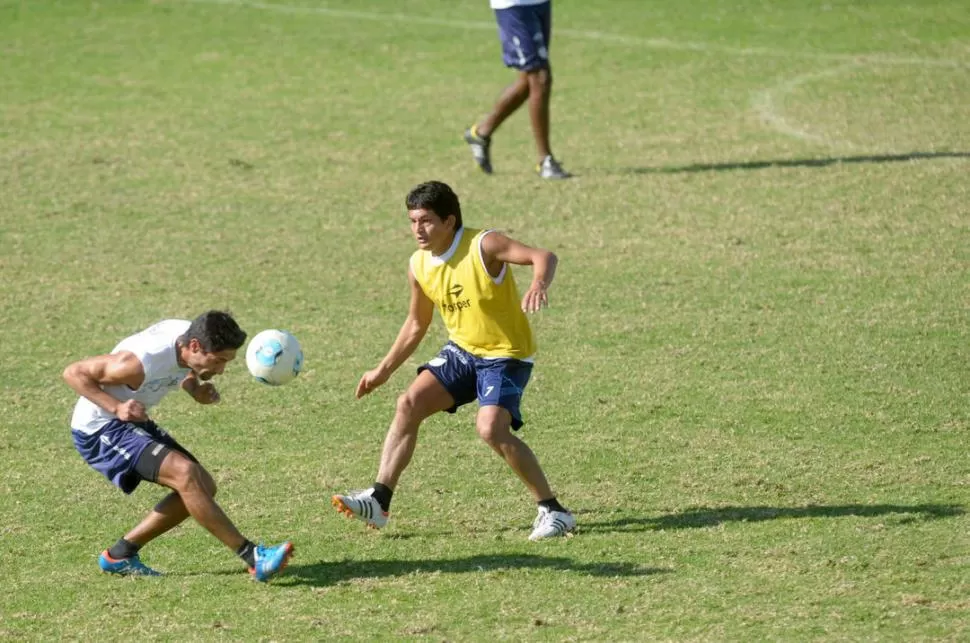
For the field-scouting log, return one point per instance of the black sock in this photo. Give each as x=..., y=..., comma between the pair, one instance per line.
x=123, y=549
x=553, y=505
x=247, y=551
x=382, y=494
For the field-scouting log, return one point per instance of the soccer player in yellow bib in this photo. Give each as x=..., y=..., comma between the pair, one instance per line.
x=464, y=274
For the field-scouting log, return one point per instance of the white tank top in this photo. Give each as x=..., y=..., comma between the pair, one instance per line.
x=155, y=348
x=505, y=4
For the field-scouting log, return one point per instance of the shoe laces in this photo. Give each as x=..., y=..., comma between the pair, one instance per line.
x=136, y=563
x=540, y=517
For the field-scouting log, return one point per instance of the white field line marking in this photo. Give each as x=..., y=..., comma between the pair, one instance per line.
x=766, y=103
x=769, y=104
x=618, y=39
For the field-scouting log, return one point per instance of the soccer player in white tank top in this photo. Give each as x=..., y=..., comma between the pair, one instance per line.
x=525, y=31
x=114, y=434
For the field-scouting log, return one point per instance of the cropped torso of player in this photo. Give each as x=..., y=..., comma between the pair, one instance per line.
x=156, y=350
x=482, y=313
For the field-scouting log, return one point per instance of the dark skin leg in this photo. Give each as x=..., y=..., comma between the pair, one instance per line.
x=534, y=86
x=511, y=99
x=167, y=514
x=191, y=482
x=540, y=90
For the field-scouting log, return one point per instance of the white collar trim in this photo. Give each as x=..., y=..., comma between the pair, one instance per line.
x=447, y=254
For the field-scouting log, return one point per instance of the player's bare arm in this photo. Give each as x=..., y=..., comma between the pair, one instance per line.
x=498, y=248
x=420, y=313
x=88, y=377
x=201, y=392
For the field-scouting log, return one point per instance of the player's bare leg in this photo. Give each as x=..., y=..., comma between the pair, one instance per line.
x=494, y=424
x=425, y=397
x=508, y=101
x=195, y=489
x=494, y=427
x=167, y=514
x=187, y=478
x=479, y=136
x=540, y=91
x=193, y=495
x=122, y=557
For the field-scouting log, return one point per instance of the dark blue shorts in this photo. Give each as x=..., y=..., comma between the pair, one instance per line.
x=115, y=449
x=525, y=33
x=493, y=382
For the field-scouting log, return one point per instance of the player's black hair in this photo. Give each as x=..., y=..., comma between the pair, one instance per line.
x=216, y=331
x=437, y=197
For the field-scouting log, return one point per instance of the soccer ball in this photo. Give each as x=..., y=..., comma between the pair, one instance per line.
x=274, y=357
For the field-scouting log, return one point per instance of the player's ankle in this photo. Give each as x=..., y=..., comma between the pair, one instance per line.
x=382, y=494
x=247, y=551
x=552, y=504
x=123, y=549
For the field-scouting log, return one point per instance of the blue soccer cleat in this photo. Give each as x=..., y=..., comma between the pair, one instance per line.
x=131, y=566
x=270, y=561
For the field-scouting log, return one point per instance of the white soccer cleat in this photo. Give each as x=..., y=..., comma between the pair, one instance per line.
x=549, y=168
x=362, y=505
x=549, y=524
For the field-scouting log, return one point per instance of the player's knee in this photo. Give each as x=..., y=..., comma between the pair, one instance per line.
x=493, y=433
x=540, y=79
x=189, y=477
x=410, y=409
x=208, y=482
x=196, y=478
x=407, y=410
x=405, y=406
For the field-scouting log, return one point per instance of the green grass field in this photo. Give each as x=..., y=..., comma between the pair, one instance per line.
x=752, y=386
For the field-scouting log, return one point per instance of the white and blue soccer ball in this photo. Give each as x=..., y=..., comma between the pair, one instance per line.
x=274, y=357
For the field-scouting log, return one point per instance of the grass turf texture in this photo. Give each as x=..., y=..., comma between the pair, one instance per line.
x=752, y=382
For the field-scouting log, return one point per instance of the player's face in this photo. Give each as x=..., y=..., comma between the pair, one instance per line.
x=430, y=231
x=206, y=365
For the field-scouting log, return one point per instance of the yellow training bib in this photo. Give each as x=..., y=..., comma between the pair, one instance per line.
x=483, y=314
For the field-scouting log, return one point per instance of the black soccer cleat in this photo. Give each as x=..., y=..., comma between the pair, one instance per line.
x=480, y=148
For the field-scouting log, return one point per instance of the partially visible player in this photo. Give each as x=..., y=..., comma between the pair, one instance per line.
x=114, y=434
x=525, y=30
x=464, y=273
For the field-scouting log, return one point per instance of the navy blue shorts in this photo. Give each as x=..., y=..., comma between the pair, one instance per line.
x=115, y=449
x=525, y=32
x=493, y=382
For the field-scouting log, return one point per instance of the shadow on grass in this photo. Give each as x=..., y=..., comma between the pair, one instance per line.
x=705, y=517
x=329, y=573
x=811, y=162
